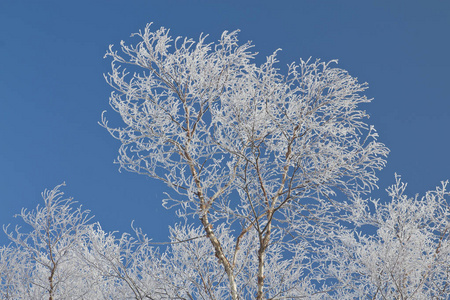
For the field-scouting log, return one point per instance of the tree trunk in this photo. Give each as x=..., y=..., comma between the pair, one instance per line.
x=221, y=256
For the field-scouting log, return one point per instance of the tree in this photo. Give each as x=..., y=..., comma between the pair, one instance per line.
x=63, y=256
x=408, y=258
x=242, y=145
x=40, y=262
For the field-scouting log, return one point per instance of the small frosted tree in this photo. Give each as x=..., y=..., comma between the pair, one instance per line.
x=63, y=256
x=40, y=262
x=407, y=258
x=240, y=144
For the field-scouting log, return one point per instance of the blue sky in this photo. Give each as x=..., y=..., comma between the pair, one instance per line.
x=52, y=90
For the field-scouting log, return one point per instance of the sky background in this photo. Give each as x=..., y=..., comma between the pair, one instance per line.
x=52, y=90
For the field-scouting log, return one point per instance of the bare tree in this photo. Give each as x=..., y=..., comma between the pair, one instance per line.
x=239, y=143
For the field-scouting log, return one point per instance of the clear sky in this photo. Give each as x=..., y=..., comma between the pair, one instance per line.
x=52, y=90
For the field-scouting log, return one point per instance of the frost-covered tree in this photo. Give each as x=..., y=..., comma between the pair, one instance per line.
x=39, y=263
x=63, y=256
x=243, y=146
x=187, y=268
x=407, y=258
